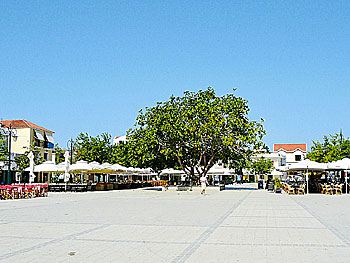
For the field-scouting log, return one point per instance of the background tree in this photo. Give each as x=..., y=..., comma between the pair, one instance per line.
x=89, y=148
x=199, y=129
x=22, y=161
x=261, y=166
x=122, y=154
x=59, y=154
x=334, y=147
x=143, y=152
x=3, y=148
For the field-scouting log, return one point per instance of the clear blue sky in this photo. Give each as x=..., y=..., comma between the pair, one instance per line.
x=89, y=66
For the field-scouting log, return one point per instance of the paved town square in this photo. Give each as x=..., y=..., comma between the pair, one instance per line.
x=237, y=225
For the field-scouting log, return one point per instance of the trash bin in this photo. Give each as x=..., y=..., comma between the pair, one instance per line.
x=271, y=186
x=278, y=190
x=260, y=184
x=221, y=187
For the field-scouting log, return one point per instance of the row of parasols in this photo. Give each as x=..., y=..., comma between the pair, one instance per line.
x=104, y=168
x=82, y=167
x=308, y=166
x=343, y=164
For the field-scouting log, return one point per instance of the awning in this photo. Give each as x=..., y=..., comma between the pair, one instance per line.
x=49, y=138
x=39, y=136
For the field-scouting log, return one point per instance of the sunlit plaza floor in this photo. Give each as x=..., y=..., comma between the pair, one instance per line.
x=237, y=225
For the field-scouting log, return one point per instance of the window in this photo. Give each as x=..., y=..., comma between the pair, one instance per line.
x=46, y=156
x=297, y=158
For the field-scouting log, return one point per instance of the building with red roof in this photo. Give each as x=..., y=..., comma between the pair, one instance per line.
x=293, y=152
x=290, y=147
x=27, y=134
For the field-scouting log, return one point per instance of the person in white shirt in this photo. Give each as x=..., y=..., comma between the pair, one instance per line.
x=204, y=183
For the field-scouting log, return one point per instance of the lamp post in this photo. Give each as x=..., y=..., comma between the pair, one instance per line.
x=70, y=146
x=9, y=131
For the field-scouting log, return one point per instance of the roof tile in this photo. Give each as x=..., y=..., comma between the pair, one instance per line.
x=23, y=124
x=290, y=147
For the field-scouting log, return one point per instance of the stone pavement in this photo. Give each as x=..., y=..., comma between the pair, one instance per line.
x=237, y=225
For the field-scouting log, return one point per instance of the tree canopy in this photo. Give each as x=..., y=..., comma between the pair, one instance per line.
x=261, y=166
x=198, y=130
x=3, y=147
x=89, y=148
x=59, y=154
x=143, y=152
x=332, y=148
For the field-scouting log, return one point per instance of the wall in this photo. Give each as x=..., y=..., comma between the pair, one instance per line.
x=20, y=144
x=290, y=156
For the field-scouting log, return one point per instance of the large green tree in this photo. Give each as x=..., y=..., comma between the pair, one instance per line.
x=332, y=148
x=199, y=129
x=261, y=166
x=89, y=148
x=140, y=151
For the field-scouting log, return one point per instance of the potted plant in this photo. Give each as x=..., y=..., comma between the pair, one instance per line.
x=278, y=185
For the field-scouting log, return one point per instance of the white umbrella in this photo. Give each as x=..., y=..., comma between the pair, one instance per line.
x=343, y=164
x=137, y=170
x=96, y=167
x=107, y=168
x=66, y=167
x=80, y=166
x=307, y=165
x=146, y=170
x=60, y=167
x=48, y=166
x=31, y=167
x=172, y=171
x=219, y=170
x=130, y=170
x=118, y=167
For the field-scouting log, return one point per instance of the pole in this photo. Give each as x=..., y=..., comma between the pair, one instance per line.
x=307, y=180
x=71, y=151
x=9, y=164
x=346, y=181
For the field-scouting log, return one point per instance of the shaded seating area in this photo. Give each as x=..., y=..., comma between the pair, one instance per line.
x=312, y=177
x=330, y=188
x=295, y=187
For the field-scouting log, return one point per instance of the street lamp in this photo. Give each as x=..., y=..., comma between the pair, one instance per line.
x=9, y=131
x=70, y=144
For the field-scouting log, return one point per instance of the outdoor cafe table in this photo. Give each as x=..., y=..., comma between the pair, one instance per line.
x=62, y=187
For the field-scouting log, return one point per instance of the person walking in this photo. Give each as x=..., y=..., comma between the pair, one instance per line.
x=204, y=183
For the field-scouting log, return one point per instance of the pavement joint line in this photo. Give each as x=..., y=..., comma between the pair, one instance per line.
x=273, y=227
x=23, y=237
x=134, y=241
x=275, y=216
x=271, y=209
x=53, y=241
x=204, y=236
x=188, y=242
x=340, y=235
x=212, y=243
x=110, y=224
x=275, y=245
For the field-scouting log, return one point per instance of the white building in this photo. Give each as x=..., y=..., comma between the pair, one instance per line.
x=293, y=153
x=283, y=155
x=118, y=139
